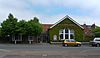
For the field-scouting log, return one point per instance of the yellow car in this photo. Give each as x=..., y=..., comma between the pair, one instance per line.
x=71, y=42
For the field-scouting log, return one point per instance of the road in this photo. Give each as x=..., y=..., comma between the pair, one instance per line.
x=47, y=51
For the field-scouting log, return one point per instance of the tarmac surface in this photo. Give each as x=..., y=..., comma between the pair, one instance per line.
x=47, y=51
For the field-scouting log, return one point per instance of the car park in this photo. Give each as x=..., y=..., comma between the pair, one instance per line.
x=95, y=42
x=71, y=42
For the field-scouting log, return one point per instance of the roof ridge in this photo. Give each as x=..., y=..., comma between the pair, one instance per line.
x=69, y=19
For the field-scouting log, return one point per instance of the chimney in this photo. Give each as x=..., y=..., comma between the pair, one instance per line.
x=84, y=25
x=93, y=26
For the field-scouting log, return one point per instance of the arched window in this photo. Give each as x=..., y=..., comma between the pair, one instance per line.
x=55, y=37
x=61, y=33
x=66, y=34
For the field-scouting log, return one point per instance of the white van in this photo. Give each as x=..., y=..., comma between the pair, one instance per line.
x=95, y=42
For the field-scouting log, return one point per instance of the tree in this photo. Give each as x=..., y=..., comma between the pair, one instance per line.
x=96, y=32
x=9, y=26
x=12, y=28
x=0, y=32
x=36, y=20
x=21, y=27
x=34, y=27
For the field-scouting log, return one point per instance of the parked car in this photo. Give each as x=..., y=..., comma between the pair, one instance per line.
x=95, y=42
x=71, y=42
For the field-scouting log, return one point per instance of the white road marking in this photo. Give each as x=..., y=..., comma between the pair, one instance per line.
x=4, y=50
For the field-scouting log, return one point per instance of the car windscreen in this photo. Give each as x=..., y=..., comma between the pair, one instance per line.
x=72, y=40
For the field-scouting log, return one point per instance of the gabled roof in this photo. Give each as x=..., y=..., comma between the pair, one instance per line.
x=69, y=19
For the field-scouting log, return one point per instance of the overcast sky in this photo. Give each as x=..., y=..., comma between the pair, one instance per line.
x=50, y=11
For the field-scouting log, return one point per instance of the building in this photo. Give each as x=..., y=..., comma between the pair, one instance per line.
x=66, y=28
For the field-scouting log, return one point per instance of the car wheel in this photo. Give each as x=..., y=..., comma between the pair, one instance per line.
x=66, y=45
x=78, y=45
x=98, y=45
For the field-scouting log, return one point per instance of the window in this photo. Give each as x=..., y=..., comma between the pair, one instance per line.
x=61, y=31
x=66, y=34
x=97, y=40
x=30, y=38
x=72, y=40
x=17, y=38
x=66, y=30
x=71, y=31
x=55, y=37
x=71, y=36
x=61, y=36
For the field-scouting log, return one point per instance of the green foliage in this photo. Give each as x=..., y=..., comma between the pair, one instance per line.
x=87, y=38
x=36, y=20
x=22, y=27
x=96, y=32
x=66, y=24
x=9, y=26
x=34, y=27
x=0, y=32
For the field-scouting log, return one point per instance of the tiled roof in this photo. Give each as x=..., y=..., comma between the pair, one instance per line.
x=46, y=26
x=87, y=26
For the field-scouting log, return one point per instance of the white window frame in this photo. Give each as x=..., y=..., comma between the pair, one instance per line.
x=29, y=38
x=19, y=38
x=61, y=33
x=64, y=33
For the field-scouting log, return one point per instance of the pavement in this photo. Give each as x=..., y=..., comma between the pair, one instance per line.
x=47, y=51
